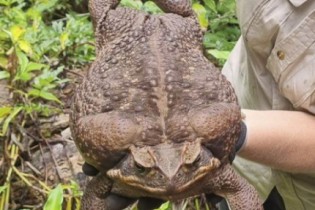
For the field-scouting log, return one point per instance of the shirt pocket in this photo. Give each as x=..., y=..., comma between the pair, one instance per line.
x=292, y=63
x=266, y=20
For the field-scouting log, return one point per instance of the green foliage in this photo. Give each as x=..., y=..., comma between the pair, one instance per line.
x=2, y=188
x=202, y=15
x=34, y=52
x=222, y=28
x=39, y=41
x=7, y=114
x=165, y=206
x=55, y=199
x=148, y=6
x=63, y=41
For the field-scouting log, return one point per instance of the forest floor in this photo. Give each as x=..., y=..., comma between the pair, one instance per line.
x=36, y=157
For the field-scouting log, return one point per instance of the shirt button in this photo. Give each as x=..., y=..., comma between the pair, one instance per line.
x=281, y=55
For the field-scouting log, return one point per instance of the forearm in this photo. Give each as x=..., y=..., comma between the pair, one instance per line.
x=283, y=140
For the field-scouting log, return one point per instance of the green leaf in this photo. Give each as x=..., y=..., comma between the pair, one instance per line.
x=25, y=46
x=211, y=4
x=44, y=5
x=34, y=66
x=226, y=6
x=34, y=14
x=209, y=40
x=41, y=108
x=55, y=199
x=43, y=94
x=48, y=79
x=152, y=8
x=75, y=188
x=16, y=32
x=4, y=2
x=135, y=4
x=4, y=75
x=2, y=188
x=34, y=92
x=25, y=67
x=201, y=14
x=7, y=121
x=197, y=205
x=3, y=62
x=165, y=206
x=23, y=60
x=4, y=35
x=23, y=76
x=4, y=111
x=219, y=54
x=49, y=96
x=64, y=38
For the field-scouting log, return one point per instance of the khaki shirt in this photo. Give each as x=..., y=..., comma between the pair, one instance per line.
x=273, y=67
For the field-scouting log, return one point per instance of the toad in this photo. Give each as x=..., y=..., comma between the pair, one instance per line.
x=153, y=115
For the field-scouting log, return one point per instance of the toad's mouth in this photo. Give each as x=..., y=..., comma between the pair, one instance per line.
x=168, y=187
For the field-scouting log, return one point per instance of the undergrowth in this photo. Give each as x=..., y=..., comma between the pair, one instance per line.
x=36, y=48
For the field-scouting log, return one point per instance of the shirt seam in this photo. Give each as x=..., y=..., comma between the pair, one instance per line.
x=297, y=195
x=255, y=16
x=307, y=95
x=297, y=4
x=291, y=57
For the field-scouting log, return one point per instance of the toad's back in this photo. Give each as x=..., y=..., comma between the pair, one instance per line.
x=149, y=73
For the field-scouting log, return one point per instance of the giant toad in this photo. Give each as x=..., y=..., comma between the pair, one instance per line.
x=153, y=115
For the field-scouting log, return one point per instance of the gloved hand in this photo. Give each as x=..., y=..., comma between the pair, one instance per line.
x=242, y=138
x=240, y=141
x=216, y=199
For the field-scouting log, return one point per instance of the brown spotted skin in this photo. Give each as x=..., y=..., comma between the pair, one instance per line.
x=238, y=193
x=151, y=92
x=182, y=8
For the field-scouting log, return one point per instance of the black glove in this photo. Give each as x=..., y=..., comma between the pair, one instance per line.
x=89, y=170
x=214, y=199
x=240, y=141
x=242, y=138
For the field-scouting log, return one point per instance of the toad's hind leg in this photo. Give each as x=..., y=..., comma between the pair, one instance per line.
x=97, y=196
x=180, y=7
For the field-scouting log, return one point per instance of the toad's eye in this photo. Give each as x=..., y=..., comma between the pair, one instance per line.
x=140, y=168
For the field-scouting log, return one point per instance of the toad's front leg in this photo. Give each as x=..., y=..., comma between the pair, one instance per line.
x=239, y=194
x=98, y=196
